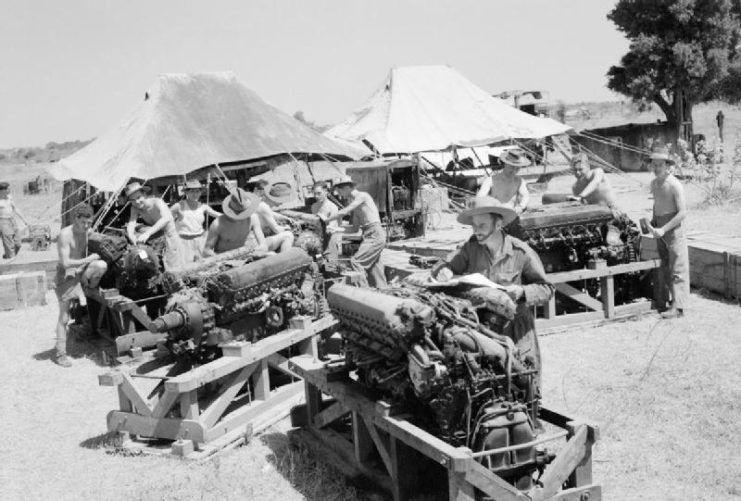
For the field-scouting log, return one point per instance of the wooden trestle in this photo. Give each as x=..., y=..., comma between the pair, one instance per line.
x=380, y=436
x=187, y=421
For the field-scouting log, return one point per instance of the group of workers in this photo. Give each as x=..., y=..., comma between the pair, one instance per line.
x=247, y=220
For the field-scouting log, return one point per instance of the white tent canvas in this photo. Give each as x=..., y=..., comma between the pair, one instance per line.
x=189, y=121
x=434, y=108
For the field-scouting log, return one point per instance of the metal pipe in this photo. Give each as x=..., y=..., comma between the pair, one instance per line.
x=517, y=447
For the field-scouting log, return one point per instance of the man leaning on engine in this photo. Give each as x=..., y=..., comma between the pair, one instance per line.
x=505, y=260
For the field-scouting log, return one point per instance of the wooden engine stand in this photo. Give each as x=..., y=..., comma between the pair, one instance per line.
x=601, y=310
x=379, y=436
x=208, y=422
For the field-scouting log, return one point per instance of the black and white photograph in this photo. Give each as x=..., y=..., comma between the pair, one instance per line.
x=411, y=250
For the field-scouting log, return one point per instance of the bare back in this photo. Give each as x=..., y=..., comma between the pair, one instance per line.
x=227, y=234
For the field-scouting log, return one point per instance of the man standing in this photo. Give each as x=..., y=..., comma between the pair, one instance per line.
x=325, y=209
x=669, y=211
x=157, y=216
x=720, y=118
x=237, y=227
x=278, y=238
x=365, y=214
x=591, y=186
x=72, y=270
x=8, y=227
x=189, y=216
x=506, y=261
x=506, y=186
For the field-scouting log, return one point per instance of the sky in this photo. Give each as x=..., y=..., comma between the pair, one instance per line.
x=71, y=69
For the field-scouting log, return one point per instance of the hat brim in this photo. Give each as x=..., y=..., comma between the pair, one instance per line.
x=279, y=199
x=516, y=163
x=508, y=215
x=239, y=216
x=666, y=158
x=346, y=183
x=144, y=189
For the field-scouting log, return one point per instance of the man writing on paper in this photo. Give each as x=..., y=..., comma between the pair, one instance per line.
x=505, y=260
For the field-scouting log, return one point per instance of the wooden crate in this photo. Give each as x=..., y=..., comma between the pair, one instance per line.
x=385, y=449
x=715, y=261
x=21, y=290
x=208, y=423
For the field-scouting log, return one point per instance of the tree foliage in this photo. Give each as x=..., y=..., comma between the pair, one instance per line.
x=682, y=52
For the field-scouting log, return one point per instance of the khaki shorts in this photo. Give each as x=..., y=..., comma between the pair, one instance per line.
x=67, y=284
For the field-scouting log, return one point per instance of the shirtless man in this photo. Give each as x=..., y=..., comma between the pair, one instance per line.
x=72, y=272
x=506, y=186
x=365, y=214
x=591, y=186
x=157, y=216
x=669, y=211
x=278, y=238
x=325, y=209
x=237, y=227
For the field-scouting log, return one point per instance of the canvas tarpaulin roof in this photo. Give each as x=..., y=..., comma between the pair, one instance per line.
x=190, y=121
x=431, y=108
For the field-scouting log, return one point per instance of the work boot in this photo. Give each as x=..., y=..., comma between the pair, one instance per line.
x=63, y=361
x=673, y=313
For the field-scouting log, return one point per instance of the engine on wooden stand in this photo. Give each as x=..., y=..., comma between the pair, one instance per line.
x=135, y=270
x=460, y=380
x=570, y=236
x=245, y=303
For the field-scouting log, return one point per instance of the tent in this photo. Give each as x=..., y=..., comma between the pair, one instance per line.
x=434, y=108
x=188, y=121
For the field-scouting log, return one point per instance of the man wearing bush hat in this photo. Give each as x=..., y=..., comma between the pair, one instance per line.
x=237, y=227
x=157, y=219
x=506, y=186
x=669, y=211
x=506, y=261
x=365, y=214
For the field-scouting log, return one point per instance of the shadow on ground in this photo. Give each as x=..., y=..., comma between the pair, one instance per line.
x=110, y=439
x=81, y=344
x=315, y=480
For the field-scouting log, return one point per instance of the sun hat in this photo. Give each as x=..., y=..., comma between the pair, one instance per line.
x=134, y=187
x=239, y=204
x=281, y=192
x=487, y=205
x=662, y=153
x=345, y=180
x=193, y=184
x=515, y=157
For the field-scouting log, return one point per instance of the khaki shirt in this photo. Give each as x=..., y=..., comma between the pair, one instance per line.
x=517, y=264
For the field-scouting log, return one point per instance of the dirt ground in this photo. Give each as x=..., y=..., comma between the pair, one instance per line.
x=666, y=394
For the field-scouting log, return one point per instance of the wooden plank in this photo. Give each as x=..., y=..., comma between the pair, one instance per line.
x=163, y=428
x=459, y=489
x=559, y=470
x=568, y=319
x=607, y=286
x=579, y=296
x=330, y=414
x=483, y=479
x=261, y=381
x=587, y=492
x=362, y=441
x=164, y=403
x=382, y=446
x=188, y=404
x=213, y=412
x=132, y=393
x=574, y=275
x=258, y=411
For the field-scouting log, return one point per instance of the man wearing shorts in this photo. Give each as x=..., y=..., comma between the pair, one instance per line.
x=73, y=270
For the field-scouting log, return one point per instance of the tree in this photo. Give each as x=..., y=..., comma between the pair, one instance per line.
x=682, y=53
